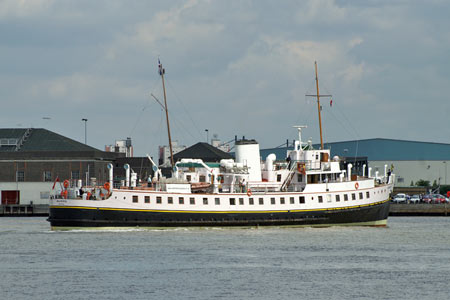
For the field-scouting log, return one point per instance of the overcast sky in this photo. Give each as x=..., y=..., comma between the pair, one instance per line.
x=232, y=67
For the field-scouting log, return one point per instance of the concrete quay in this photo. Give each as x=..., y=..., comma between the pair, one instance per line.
x=420, y=209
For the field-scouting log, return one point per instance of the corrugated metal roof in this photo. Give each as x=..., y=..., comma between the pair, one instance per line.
x=379, y=149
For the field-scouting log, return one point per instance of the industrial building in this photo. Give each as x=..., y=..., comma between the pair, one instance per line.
x=32, y=159
x=411, y=161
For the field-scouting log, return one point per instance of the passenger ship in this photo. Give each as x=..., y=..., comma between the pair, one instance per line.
x=306, y=189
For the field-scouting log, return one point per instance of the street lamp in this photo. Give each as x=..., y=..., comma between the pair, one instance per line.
x=207, y=135
x=85, y=130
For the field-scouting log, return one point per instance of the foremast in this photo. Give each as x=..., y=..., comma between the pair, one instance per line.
x=162, y=71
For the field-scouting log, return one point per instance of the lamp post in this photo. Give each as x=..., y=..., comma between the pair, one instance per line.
x=85, y=130
x=207, y=135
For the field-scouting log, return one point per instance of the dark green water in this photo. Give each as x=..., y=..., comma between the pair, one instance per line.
x=410, y=259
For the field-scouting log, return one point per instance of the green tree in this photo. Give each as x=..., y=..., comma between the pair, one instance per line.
x=422, y=182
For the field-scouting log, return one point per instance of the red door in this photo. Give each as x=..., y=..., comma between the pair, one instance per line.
x=10, y=197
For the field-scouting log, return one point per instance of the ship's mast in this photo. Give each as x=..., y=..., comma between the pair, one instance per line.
x=318, y=105
x=162, y=71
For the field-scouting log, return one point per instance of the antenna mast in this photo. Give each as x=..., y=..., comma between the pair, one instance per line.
x=162, y=71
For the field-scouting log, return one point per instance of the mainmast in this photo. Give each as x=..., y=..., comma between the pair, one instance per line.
x=318, y=105
x=162, y=71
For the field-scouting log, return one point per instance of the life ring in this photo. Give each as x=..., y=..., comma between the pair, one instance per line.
x=66, y=184
x=106, y=186
x=356, y=185
x=249, y=192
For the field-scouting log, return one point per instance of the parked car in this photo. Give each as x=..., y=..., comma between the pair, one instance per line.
x=414, y=199
x=400, y=198
x=438, y=198
x=427, y=198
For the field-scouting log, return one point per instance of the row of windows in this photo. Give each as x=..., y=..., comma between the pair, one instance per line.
x=47, y=175
x=252, y=201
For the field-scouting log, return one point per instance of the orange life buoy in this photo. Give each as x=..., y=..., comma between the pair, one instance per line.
x=249, y=192
x=106, y=186
x=66, y=184
x=64, y=194
x=356, y=185
x=88, y=197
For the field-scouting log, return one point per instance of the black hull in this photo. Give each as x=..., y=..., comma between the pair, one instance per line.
x=69, y=217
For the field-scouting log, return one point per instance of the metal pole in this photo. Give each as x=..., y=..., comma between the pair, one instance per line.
x=207, y=135
x=85, y=130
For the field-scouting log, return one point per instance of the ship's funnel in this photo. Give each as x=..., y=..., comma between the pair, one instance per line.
x=247, y=153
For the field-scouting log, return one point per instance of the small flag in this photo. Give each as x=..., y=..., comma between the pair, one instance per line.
x=331, y=102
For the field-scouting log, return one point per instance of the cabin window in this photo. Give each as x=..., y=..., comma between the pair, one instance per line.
x=135, y=199
x=232, y=201
x=158, y=200
x=302, y=199
x=278, y=177
x=180, y=200
x=202, y=178
x=272, y=201
x=367, y=195
x=192, y=200
x=360, y=196
x=251, y=201
x=320, y=199
x=261, y=201
x=345, y=197
x=353, y=196
x=147, y=199
x=292, y=200
x=205, y=201
x=282, y=200
x=217, y=200
x=338, y=198
x=299, y=178
x=188, y=178
x=170, y=200
x=241, y=201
